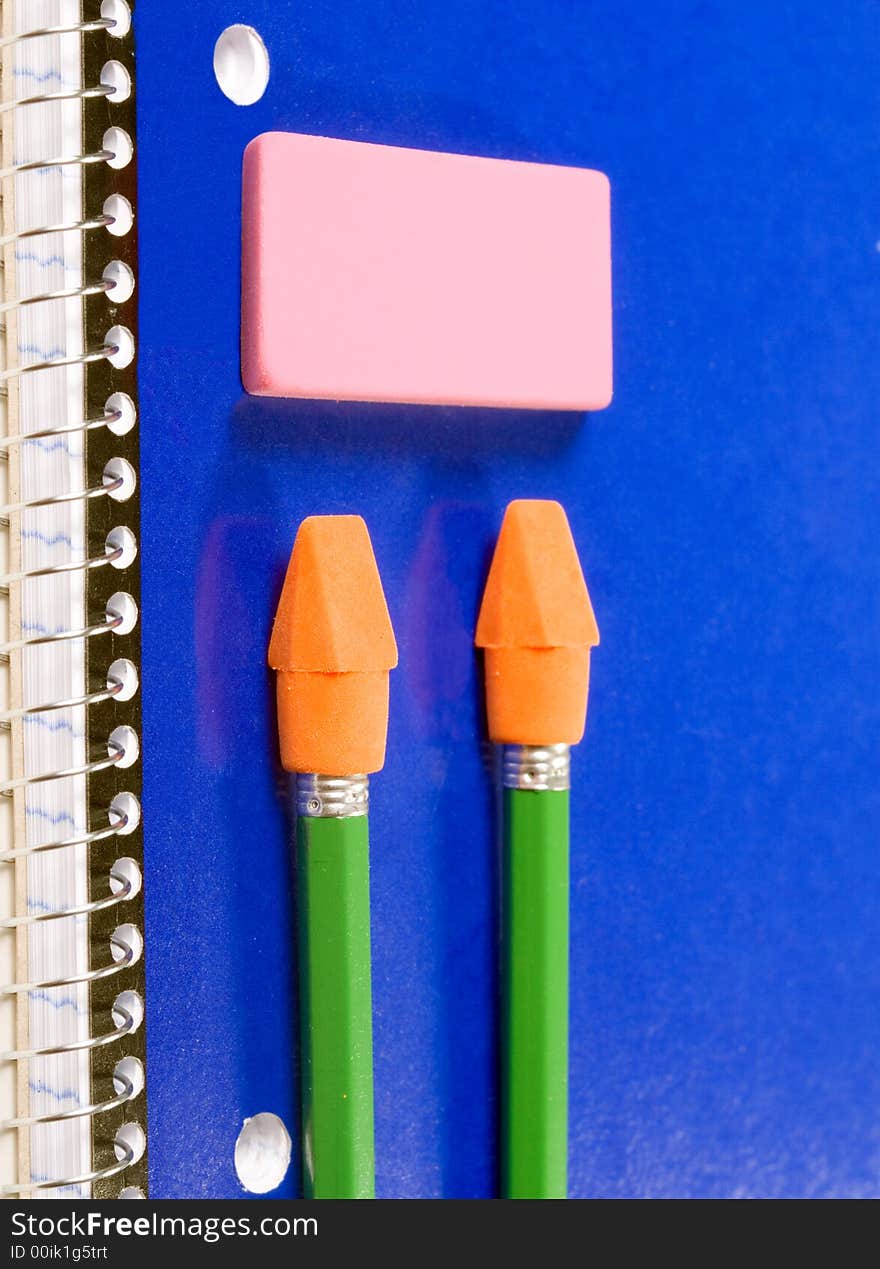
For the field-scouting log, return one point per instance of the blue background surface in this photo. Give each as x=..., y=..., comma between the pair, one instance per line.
x=725, y=899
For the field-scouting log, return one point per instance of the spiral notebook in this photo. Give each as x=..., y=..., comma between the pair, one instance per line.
x=723, y=1039
x=70, y=708
x=149, y=1002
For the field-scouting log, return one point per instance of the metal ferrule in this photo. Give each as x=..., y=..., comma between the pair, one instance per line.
x=324, y=797
x=536, y=767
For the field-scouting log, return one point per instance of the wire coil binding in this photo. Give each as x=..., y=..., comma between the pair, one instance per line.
x=116, y=753
x=43, y=99
x=125, y=891
x=71, y=226
x=71, y=293
x=128, y=954
x=104, y=490
x=115, y=827
x=113, y=688
x=107, y=419
x=121, y=1145
x=125, y=944
x=78, y=1112
x=40, y=33
x=127, y=1024
x=61, y=160
x=107, y=626
x=69, y=566
x=103, y=353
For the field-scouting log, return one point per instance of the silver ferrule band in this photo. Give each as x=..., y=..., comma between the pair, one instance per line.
x=536, y=767
x=322, y=797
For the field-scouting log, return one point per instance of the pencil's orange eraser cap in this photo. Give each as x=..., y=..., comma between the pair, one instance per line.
x=537, y=627
x=332, y=645
x=381, y=273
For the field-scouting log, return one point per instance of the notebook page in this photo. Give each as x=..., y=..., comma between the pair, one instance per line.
x=56, y=810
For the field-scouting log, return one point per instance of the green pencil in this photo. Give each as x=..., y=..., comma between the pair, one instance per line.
x=535, y=974
x=537, y=627
x=332, y=646
x=333, y=879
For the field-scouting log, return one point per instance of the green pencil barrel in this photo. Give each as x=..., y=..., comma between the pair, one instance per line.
x=535, y=994
x=333, y=883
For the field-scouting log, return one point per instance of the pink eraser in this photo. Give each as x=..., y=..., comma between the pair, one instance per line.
x=377, y=273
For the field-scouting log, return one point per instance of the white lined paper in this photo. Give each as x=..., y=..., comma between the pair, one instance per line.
x=57, y=809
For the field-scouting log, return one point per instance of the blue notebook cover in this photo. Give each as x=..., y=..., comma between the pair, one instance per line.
x=725, y=894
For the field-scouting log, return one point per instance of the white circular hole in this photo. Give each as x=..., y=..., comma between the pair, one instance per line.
x=117, y=12
x=125, y=813
x=128, y=1002
x=126, y=739
x=125, y=872
x=132, y=1192
x=116, y=77
x=126, y=936
x=241, y=64
x=262, y=1153
x=122, y=605
x=123, y=540
x=128, y=1071
x=125, y=672
x=122, y=281
x=130, y=1138
x=118, y=206
x=120, y=469
x=120, y=338
x=121, y=403
x=118, y=142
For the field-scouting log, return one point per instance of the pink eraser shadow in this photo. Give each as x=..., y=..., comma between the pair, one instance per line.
x=377, y=273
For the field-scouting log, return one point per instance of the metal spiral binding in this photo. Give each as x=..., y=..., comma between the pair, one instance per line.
x=107, y=626
x=81, y=94
x=125, y=891
x=114, y=829
x=102, y=353
x=61, y=160
x=79, y=495
x=125, y=1027
x=116, y=753
x=127, y=956
x=129, y=1158
x=78, y=1112
x=71, y=226
x=73, y=293
x=120, y=1150
x=113, y=688
x=70, y=566
x=40, y=33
